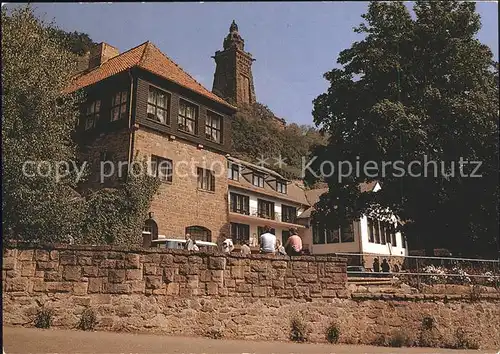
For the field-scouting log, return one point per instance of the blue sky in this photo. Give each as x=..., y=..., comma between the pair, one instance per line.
x=293, y=43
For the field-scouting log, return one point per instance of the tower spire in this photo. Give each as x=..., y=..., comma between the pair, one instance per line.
x=233, y=78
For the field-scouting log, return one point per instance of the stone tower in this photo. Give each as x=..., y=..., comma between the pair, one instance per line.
x=233, y=78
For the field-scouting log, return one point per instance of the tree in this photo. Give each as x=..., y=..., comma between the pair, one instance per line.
x=413, y=88
x=77, y=43
x=255, y=134
x=36, y=125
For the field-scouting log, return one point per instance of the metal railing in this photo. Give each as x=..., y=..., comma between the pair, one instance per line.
x=261, y=214
x=418, y=270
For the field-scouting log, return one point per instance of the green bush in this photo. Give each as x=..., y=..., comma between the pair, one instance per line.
x=333, y=333
x=44, y=317
x=298, y=329
x=88, y=320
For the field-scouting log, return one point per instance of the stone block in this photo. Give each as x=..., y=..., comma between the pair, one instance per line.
x=137, y=286
x=243, y=288
x=90, y=271
x=153, y=282
x=217, y=263
x=238, y=272
x=80, y=288
x=49, y=265
x=252, y=278
x=309, y=278
x=82, y=301
x=173, y=289
x=278, y=284
x=53, y=275
x=17, y=284
x=299, y=266
x=113, y=288
x=54, y=255
x=66, y=258
x=195, y=260
x=84, y=260
x=134, y=274
x=152, y=258
x=230, y=283
x=328, y=293
x=212, y=288
x=95, y=285
x=315, y=288
x=132, y=261
x=25, y=255
x=284, y=293
x=72, y=273
x=59, y=287
x=9, y=263
x=150, y=269
x=108, y=263
x=259, y=291
x=169, y=274
x=42, y=255
x=166, y=260
x=280, y=264
x=259, y=266
x=28, y=268
x=38, y=285
x=116, y=275
x=291, y=281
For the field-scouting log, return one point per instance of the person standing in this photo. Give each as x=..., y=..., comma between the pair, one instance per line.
x=189, y=245
x=267, y=241
x=376, y=265
x=293, y=246
x=385, y=266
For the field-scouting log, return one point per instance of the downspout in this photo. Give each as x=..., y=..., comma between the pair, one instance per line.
x=131, y=130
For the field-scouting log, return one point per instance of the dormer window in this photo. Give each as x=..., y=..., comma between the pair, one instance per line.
x=258, y=180
x=233, y=172
x=281, y=186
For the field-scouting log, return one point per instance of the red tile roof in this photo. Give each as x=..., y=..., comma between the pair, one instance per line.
x=147, y=57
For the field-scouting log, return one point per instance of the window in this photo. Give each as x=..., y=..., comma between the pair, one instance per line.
x=161, y=168
x=240, y=203
x=92, y=114
x=258, y=180
x=394, y=241
x=213, y=127
x=376, y=231
x=206, y=180
x=318, y=235
x=240, y=233
x=199, y=233
x=233, y=172
x=281, y=186
x=383, y=233
x=288, y=214
x=370, y=231
x=265, y=209
x=332, y=236
x=119, y=106
x=347, y=234
x=188, y=117
x=158, y=105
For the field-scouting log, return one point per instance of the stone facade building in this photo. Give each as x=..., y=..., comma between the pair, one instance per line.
x=140, y=104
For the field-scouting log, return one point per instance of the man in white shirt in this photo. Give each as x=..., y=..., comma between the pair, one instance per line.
x=267, y=241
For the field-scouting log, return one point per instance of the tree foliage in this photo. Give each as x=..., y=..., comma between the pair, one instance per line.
x=36, y=126
x=415, y=87
x=255, y=133
x=77, y=43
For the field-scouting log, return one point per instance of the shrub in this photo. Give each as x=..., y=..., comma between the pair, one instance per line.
x=88, y=320
x=298, y=329
x=44, y=317
x=333, y=333
x=464, y=340
x=400, y=339
x=214, y=333
x=427, y=323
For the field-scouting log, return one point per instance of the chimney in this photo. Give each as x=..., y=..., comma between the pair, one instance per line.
x=101, y=53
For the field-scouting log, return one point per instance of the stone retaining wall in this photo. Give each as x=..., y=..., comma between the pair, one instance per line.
x=254, y=297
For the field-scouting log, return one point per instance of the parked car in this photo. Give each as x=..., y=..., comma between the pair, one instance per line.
x=357, y=271
x=174, y=243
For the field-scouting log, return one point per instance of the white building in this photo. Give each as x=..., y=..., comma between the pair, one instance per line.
x=370, y=236
x=258, y=196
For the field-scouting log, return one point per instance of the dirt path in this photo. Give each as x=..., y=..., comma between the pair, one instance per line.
x=30, y=340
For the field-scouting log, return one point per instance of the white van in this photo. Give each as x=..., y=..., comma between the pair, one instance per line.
x=175, y=243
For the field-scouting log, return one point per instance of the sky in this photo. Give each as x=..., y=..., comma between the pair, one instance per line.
x=293, y=43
